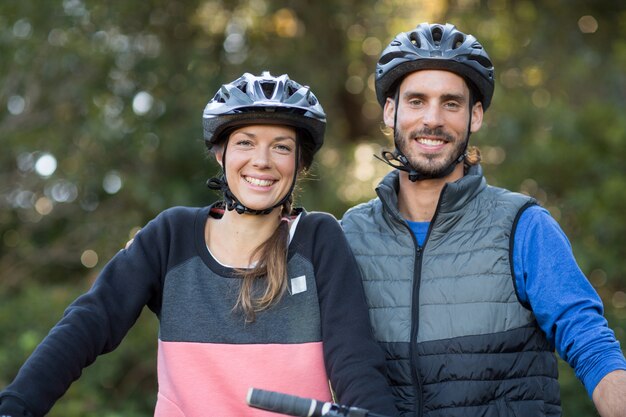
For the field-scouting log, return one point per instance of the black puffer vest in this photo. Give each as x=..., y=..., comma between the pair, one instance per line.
x=457, y=339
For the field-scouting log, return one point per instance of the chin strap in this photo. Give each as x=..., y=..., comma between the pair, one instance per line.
x=233, y=203
x=397, y=160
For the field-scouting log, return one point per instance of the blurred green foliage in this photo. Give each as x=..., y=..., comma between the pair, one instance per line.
x=100, y=129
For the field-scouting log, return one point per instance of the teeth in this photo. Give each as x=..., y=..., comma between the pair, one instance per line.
x=430, y=142
x=259, y=182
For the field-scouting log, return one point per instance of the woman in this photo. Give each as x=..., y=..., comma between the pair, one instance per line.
x=249, y=292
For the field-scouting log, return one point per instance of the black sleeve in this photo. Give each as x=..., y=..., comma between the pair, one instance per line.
x=354, y=361
x=95, y=323
x=11, y=406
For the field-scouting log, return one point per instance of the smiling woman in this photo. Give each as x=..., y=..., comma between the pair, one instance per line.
x=261, y=164
x=261, y=171
x=249, y=291
x=241, y=122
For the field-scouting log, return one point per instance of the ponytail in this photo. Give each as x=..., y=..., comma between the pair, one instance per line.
x=272, y=265
x=473, y=156
x=272, y=254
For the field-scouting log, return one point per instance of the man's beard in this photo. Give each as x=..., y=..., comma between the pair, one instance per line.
x=429, y=165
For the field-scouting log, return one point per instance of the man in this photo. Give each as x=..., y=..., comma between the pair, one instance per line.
x=470, y=287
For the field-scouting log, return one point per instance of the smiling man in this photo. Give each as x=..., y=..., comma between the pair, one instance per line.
x=470, y=287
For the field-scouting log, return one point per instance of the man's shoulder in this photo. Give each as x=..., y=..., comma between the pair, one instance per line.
x=361, y=214
x=504, y=192
x=500, y=195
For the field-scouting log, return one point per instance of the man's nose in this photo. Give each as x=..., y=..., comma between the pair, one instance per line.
x=432, y=116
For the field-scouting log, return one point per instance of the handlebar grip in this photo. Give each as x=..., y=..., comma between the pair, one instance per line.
x=285, y=403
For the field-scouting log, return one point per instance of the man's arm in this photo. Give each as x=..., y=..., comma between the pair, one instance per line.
x=609, y=396
x=566, y=306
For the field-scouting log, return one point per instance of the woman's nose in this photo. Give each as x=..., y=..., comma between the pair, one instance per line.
x=261, y=158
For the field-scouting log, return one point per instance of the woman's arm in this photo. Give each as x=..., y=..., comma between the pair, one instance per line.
x=95, y=323
x=355, y=362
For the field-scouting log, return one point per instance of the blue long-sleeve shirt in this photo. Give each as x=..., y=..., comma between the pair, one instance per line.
x=567, y=307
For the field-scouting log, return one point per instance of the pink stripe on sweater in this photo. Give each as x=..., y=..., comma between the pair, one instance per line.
x=204, y=379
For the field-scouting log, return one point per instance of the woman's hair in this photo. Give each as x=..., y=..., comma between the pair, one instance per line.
x=272, y=264
x=272, y=254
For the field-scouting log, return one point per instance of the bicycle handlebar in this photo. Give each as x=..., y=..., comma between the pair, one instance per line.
x=301, y=407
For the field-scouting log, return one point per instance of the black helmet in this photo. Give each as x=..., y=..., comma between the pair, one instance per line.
x=264, y=99
x=435, y=46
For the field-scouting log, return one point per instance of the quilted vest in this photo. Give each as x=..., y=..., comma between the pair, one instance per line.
x=457, y=339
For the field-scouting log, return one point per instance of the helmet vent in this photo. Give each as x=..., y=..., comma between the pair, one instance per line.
x=220, y=97
x=415, y=40
x=458, y=41
x=242, y=86
x=291, y=90
x=437, y=35
x=390, y=57
x=484, y=62
x=268, y=89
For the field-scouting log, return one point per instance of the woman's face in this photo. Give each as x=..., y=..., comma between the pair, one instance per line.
x=260, y=164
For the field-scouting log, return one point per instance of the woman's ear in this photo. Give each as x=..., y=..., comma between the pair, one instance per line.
x=218, y=157
x=218, y=153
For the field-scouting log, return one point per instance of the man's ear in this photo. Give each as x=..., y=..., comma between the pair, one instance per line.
x=389, y=112
x=477, y=117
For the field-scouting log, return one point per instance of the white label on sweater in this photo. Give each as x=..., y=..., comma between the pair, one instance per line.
x=298, y=284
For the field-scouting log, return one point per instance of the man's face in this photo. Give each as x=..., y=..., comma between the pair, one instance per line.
x=432, y=120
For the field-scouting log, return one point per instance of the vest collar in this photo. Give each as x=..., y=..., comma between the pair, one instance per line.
x=454, y=195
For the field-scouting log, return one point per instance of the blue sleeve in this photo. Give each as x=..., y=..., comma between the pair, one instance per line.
x=566, y=306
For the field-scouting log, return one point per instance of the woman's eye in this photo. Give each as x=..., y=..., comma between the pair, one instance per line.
x=283, y=148
x=244, y=142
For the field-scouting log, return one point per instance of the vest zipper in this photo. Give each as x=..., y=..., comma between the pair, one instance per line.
x=419, y=394
x=413, y=354
x=417, y=279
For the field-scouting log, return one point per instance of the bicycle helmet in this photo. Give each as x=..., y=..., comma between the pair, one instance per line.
x=264, y=99
x=260, y=99
x=435, y=46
